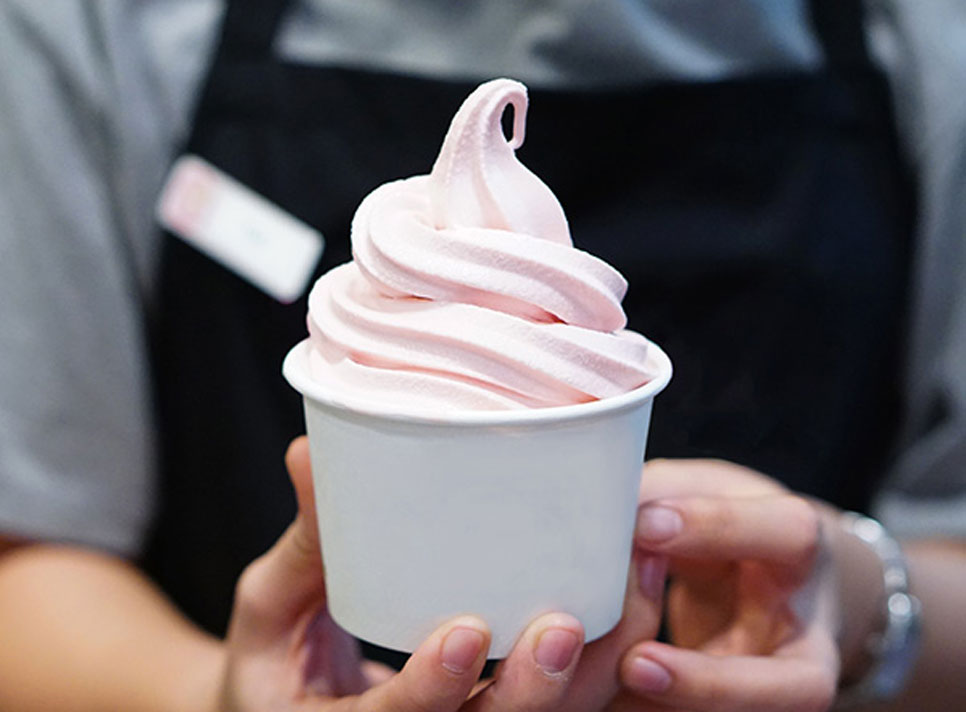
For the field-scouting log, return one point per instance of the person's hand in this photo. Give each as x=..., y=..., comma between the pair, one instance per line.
x=285, y=653
x=752, y=607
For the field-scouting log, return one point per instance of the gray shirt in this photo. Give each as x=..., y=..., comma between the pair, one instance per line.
x=95, y=96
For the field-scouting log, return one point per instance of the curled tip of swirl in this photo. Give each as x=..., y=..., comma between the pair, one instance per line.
x=477, y=180
x=482, y=229
x=492, y=100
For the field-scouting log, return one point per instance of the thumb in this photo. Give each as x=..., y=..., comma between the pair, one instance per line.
x=299, y=467
x=287, y=580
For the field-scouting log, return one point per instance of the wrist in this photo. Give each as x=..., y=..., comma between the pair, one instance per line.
x=859, y=586
x=861, y=593
x=878, y=670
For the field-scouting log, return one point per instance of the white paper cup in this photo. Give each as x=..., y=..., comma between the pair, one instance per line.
x=501, y=514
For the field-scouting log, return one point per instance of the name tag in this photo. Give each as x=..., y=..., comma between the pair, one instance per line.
x=239, y=229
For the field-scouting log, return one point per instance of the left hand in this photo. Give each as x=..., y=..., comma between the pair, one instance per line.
x=752, y=607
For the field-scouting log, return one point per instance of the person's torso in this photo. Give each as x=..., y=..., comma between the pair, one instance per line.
x=761, y=220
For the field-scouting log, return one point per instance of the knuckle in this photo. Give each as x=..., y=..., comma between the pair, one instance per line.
x=534, y=700
x=803, y=520
x=744, y=479
x=717, y=515
x=741, y=472
x=654, y=469
x=249, y=600
x=418, y=698
x=725, y=466
x=419, y=703
x=698, y=512
x=304, y=545
x=818, y=694
x=826, y=690
x=533, y=690
x=409, y=704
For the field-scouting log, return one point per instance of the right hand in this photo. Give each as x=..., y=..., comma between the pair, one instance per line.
x=753, y=607
x=285, y=653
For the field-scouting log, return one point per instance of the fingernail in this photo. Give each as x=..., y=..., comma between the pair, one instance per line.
x=656, y=524
x=461, y=647
x=651, y=575
x=645, y=675
x=555, y=650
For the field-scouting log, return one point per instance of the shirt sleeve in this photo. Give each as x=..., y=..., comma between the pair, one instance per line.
x=926, y=496
x=924, y=52
x=76, y=453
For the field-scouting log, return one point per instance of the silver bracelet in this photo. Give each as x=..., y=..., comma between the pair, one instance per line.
x=895, y=648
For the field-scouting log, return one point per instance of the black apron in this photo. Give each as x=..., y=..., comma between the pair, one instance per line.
x=763, y=225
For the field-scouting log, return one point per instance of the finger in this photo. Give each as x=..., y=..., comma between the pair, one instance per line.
x=537, y=674
x=698, y=681
x=287, y=581
x=332, y=661
x=439, y=675
x=781, y=529
x=596, y=681
x=299, y=466
x=681, y=478
x=698, y=607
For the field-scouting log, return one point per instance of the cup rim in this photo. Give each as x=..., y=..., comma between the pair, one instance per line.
x=296, y=372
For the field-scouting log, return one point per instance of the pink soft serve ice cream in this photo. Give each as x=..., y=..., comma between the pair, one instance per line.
x=466, y=291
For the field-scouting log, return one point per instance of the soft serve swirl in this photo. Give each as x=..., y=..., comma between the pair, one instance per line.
x=465, y=291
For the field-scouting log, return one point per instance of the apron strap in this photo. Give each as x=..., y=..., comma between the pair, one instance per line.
x=243, y=65
x=840, y=28
x=249, y=28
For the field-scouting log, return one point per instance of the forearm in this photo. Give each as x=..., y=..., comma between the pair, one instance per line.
x=85, y=631
x=938, y=578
